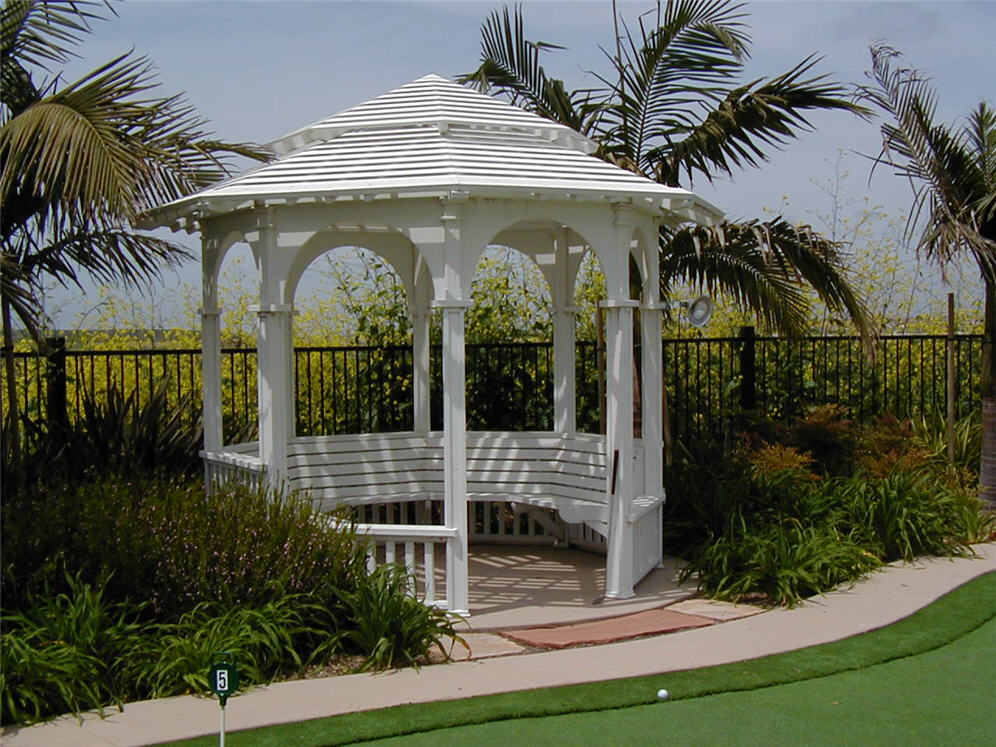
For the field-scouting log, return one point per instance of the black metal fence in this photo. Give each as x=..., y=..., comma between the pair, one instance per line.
x=709, y=381
x=510, y=386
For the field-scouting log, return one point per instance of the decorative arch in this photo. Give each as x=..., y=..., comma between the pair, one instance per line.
x=389, y=244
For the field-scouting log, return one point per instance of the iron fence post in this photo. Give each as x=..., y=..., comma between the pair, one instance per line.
x=55, y=383
x=748, y=369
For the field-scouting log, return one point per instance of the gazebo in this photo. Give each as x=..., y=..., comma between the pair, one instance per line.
x=427, y=176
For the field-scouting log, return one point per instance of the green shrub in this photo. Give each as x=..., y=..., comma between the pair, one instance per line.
x=59, y=653
x=170, y=542
x=118, y=432
x=779, y=563
x=762, y=523
x=115, y=433
x=277, y=637
x=905, y=514
x=827, y=436
x=932, y=432
x=390, y=626
x=70, y=652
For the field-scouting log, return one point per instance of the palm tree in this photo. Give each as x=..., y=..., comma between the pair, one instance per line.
x=672, y=108
x=952, y=171
x=81, y=162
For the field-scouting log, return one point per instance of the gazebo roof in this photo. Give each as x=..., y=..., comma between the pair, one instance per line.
x=434, y=137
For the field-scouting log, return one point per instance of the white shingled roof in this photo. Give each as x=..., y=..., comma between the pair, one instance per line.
x=432, y=137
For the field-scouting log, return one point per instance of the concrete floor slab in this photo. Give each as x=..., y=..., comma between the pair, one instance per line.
x=716, y=610
x=648, y=622
x=484, y=646
x=519, y=587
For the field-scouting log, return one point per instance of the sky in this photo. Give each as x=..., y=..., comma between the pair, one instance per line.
x=259, y=69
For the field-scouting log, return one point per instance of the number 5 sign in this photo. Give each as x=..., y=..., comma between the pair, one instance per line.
x=224, y=676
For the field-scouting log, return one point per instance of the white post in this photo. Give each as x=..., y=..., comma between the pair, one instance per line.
x=421, y=322
x=564, y=355
x=210, y=347
x=653, y=411
x=455, y=453
x=653, y=399
x=275, y=381
x=211, y=377
x=564, y=386
x=619, y=447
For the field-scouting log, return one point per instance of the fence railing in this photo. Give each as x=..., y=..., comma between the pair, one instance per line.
x=510, y=386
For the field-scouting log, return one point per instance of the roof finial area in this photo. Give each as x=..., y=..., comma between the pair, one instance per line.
x=424, y=102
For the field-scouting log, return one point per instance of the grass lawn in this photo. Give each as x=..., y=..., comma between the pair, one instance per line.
x=924, y=680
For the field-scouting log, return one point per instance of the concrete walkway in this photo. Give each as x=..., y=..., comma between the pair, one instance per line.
x=885, y=597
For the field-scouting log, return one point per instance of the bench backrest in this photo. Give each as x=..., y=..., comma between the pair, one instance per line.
x=500, y=466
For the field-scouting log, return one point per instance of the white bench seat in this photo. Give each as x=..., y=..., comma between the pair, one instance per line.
x=564, y=473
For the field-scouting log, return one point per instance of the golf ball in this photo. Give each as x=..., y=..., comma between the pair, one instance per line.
x=662, y=694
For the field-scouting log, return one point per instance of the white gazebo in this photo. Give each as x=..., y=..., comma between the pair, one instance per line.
x=427, y=176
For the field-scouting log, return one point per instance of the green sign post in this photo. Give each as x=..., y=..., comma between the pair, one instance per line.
x=223, y=677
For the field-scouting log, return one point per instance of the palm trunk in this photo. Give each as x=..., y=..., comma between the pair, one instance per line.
x=987, y=468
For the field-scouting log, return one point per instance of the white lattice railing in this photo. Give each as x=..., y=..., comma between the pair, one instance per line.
x=240, y=464
x=488, y=521
x=414, y=547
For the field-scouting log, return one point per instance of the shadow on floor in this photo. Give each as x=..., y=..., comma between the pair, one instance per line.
x=513, y=587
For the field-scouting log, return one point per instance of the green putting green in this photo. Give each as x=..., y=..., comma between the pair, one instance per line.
x=935, y=666
x=943, y=696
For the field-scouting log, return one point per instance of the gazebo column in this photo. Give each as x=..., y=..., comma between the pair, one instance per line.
x=564, y=373
x=653, y=398
x=564, y=386
x=275, y=384
x=274, y=348
x=211, y=375
x=653, y=407
x=619, y=446
x=421, y=322
x=211, y=346
x=455, y=452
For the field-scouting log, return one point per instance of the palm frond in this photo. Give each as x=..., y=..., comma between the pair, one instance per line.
x=981, y=134
x=748, y=121
x=106, y=145
x=666, y=72
x=106, y=254
x=949, y=170
x=16, y=289
x=764, y=268
x=41, y=32
x=510, y=64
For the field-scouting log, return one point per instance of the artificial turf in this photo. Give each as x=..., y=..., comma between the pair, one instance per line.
x=949, y=619
x=939, y=697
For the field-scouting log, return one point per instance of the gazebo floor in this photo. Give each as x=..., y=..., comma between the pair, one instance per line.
x=518, y=587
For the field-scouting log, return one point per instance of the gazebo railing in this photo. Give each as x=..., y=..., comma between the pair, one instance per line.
x=239, y=464
x=415, y=548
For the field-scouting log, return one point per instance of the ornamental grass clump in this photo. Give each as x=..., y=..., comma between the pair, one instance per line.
x=391, y=628
x=282, y=635
x=773, y=523
x=57, y=654
x=779, y=563
x=905, y=514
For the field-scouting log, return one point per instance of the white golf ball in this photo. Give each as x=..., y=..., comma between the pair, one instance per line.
x=662, y=694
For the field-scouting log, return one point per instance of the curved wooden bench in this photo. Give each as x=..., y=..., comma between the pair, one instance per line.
x=564, y=473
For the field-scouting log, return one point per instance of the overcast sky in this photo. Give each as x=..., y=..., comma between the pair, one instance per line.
x=260, y=69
